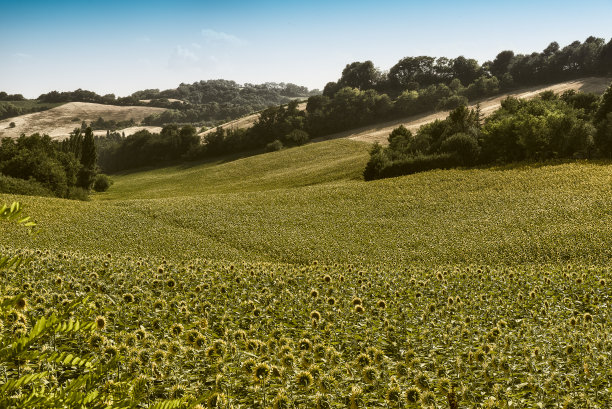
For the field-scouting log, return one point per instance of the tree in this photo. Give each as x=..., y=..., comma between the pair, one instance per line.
x=603, y=122
x=89, y=154
x=88, y=159
x=360, y=75
x=467, y=70
x=399, y=140
x=464, y=146
x=500, y=65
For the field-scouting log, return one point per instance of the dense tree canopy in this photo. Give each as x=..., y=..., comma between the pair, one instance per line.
x=573, y=125
x=67, y=168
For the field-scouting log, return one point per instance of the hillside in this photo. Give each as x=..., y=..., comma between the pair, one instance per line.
x=58, y=122
x=244, y=122
x=380, y=132
x=315, y=206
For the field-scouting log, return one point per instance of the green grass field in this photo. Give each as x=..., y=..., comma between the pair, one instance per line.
x=309, y=203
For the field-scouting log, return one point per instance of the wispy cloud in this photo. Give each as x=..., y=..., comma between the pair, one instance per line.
x=221, y=37
x=186, y=53
x=183, y=58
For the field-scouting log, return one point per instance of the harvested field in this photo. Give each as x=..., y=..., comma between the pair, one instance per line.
x=131, y=130
x=60, y=121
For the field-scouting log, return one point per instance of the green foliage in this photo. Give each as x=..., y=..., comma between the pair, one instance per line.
x=547, y=127
x=437, y=145
x=22, y=187
x=603, y=121
x=297, y=137
x=51, y=164
x=143, y=149
x=464, y=146
x=274, y=146
x=536, y=129
x=102, y=183
x=21, y=107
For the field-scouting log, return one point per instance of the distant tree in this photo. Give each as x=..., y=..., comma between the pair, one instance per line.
x=603, y=122
x=400, y=140
x=88, y=154
x=466, y=70
x=551, y=49
x=360, y=75
x=88, y=161
x=500, y=65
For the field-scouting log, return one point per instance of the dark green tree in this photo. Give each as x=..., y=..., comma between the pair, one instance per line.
x=603, y=122
x=88, y=160
x=360, y=75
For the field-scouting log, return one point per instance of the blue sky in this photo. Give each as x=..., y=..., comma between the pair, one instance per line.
x=124, y=46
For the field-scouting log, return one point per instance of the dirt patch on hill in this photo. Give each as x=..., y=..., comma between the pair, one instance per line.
x=245, y=121
x=60, y=121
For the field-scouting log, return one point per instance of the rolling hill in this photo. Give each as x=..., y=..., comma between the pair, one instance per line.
x=379, y=132
x=310, y=203
x=58, y=122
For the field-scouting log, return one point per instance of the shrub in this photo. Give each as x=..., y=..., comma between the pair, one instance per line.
x=274, y=146
x=22, y=187
x=12, y=125
x=297, y=137
x=464, y=146
x=419, y=163
x=377, y=163
x=77, y=193
x=452, y=102
x=102, y=182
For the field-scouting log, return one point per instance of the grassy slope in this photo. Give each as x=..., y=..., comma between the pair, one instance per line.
x=272, y=207
x=309, y=165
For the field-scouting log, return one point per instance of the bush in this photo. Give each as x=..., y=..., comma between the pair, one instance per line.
x=452, y=102
x=17, y=186
x=12, y=125
x=77, y=193
x=377, y=163
x=274, y=146
x=464, y=146
x=102, y=182
x=420, y=163
x=297, y=137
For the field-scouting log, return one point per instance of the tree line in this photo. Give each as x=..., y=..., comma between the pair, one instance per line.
x=203, y=102
x=509, y=70
x=37, y=164
x=573, y=125
x=117, y=152
x=364, y=95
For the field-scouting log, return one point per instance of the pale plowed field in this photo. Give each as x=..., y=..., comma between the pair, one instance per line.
x=60, y=121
